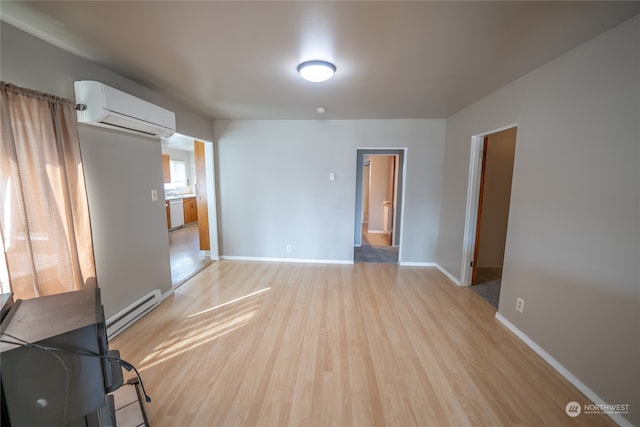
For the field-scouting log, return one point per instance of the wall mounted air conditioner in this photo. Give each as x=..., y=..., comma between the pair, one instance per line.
x=101, y=105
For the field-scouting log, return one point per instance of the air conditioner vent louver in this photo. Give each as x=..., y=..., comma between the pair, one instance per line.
x=112, y=108
x=124, y=125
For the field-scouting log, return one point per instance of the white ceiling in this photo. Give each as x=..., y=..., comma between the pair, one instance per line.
x=179, y=142
x=237, y=59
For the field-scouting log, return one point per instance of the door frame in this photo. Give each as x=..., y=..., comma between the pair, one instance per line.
x=399, y=196
x=473, y=203
x=476, y=245
x=211, y=193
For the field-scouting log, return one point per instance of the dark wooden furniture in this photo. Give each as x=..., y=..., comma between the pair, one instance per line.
x=57, y=368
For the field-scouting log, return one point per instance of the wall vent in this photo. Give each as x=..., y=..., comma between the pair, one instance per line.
x=127, y=317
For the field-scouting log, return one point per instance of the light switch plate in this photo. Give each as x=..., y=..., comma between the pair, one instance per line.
x=154, y=195
x=332, y=176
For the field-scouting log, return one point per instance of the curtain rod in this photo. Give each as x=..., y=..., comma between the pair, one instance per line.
x=10, y=87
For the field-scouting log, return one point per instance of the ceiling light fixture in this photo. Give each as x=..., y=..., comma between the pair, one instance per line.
x=316, y=71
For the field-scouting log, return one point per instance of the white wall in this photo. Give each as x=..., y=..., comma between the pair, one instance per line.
x=274, y=186
x=573, y=240
x=129, y=230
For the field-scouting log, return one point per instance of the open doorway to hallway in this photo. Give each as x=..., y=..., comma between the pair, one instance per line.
x=185, y=178
x=378, y=205
x=494, y=195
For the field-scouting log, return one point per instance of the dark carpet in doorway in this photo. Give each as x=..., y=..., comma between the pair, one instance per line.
x=489, y=291
x=381, y=254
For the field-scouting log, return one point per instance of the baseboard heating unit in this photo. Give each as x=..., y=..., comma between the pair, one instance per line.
x=125, y=318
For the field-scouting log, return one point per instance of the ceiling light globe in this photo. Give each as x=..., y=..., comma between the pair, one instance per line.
x=316, y=71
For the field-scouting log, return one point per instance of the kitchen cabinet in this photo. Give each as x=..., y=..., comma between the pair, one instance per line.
x=190, y=209
x=166, y=168
x=166, y=205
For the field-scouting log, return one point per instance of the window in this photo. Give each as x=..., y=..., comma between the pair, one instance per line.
x=44, y=218
x=178, y=173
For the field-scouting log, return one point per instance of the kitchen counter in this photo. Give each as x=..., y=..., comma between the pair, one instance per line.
x=183, y=196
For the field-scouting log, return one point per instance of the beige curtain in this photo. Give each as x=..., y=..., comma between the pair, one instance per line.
x=44, y=215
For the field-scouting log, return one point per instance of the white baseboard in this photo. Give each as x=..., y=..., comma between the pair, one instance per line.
x=431, y=264
x=167, y=294
x=292, y=260
x=619, y=419
x=417, y=264
x=449, y=275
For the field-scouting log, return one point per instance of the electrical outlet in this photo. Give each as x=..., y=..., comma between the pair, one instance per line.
x=520, y=304
x=154, y=195
x=289, y=248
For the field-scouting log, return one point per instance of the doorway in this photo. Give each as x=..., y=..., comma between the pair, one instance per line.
x=495, y=159
x=378, y=218
x=189, y=240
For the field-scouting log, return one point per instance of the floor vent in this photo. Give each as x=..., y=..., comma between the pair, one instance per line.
x=125, y=318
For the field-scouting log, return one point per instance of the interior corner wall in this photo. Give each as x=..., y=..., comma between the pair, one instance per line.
x=129, y=230
x=274, y=186
x=573, y=239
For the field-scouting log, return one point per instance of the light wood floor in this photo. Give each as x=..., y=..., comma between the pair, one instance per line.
x=185, y=254
x=268, y=344
x=374, y=239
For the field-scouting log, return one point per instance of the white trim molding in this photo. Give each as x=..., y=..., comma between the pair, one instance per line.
x=417, y=264
x=449, y=275
x=619, y=419
x=292, y=260
x=432, y=264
